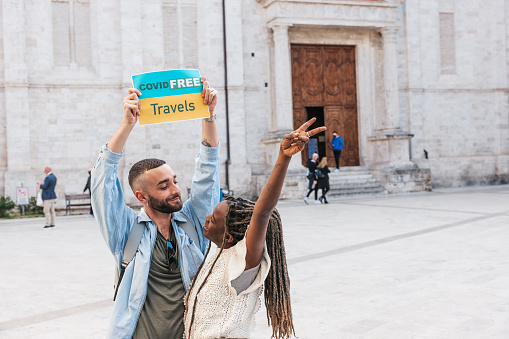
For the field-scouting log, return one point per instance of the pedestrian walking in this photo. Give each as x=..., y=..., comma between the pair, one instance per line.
x=337, y=146
x=322, y=176
x=87, y=187
x=313, y=162
x=49, y=197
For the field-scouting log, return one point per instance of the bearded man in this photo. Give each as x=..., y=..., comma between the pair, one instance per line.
x=150, y=298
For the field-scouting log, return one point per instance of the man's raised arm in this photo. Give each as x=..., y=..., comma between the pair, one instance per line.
x=114, y=217
x=256, y=233
x=131, y=112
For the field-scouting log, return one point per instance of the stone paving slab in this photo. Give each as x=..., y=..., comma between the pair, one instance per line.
x=432, y=265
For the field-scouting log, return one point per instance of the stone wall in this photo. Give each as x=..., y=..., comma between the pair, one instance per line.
x=75, y=84
x=455, y=98
x=62, y=83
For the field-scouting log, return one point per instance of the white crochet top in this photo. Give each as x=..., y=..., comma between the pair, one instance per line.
x=220, y=312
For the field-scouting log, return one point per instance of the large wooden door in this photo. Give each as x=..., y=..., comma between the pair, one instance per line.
x=324, y=76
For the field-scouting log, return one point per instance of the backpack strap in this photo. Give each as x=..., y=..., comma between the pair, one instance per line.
x=130, y=248
x=189, y=228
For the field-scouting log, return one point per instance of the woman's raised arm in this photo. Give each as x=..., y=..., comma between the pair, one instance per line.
x=255, y=237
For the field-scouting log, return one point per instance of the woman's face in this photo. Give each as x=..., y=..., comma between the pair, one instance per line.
x=215, y=224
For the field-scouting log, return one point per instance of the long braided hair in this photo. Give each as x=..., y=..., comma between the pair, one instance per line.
x=277, y=284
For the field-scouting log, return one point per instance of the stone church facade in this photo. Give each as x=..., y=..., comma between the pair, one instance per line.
x=418, y=89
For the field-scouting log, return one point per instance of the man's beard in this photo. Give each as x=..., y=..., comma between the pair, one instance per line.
x=164, y=206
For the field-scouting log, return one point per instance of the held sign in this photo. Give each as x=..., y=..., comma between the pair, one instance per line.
x=170, y=96
x=22, y=196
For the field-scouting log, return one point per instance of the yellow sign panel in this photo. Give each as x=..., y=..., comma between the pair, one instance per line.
x=174, y=108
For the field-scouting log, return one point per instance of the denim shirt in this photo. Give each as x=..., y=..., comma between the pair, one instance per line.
x=116, y=219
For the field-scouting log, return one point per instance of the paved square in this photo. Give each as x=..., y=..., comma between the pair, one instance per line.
x=430, y=265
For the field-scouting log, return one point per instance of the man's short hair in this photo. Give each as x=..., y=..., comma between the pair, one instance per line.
x=334, y=132
x=141, y=167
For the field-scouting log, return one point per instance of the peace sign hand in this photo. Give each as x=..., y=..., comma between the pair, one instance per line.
x=294, y=143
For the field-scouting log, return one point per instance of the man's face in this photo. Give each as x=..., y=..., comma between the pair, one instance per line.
x=315, y=156
x=161, y=186
x=334, y=135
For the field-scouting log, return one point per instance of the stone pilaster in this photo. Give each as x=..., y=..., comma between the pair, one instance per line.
x=391, y=121
x=240, y=179
x=17, y=115
x=283, y=118
x=391, y=152
x=132, y=63
x=282, y=115
x=391, y=143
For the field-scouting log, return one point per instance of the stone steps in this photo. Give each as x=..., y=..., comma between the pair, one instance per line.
x=350, y=181
x=356, y=190
x=353, y=181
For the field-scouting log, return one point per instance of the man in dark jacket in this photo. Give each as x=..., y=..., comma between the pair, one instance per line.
x=49, y=197
x=313, y=162
x=87, y=187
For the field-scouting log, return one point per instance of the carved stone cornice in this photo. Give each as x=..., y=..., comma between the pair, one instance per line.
x=279, y=26
x=389, y=34
x=331, y=13
x=379, y=3
x=390, y=135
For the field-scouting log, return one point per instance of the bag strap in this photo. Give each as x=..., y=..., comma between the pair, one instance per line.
x=189, y=229
x=130, y=248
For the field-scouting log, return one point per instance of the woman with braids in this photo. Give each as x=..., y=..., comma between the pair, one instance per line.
x=225, y=293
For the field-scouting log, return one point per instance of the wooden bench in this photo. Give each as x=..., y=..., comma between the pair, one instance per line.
x=76, y=200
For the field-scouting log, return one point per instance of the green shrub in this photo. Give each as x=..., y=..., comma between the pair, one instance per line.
x=6, y=204
x=32, y=208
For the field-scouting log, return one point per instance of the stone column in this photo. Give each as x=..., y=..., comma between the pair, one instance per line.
x=240, y=179
x=391, y=145
x=17, y=115
x=72, y=37
x=282, y=78
x=132, y=63
x=282, y=116
x=391, y=119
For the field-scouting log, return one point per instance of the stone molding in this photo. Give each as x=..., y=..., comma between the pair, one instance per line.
x=389, y=34
x=275, y=136
x=331, y=13
x=370, y=3
x=383, y=136
x=64, y=85
x=278, y=26
x=14, y=84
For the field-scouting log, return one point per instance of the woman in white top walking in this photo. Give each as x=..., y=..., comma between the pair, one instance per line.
x=225, y=293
